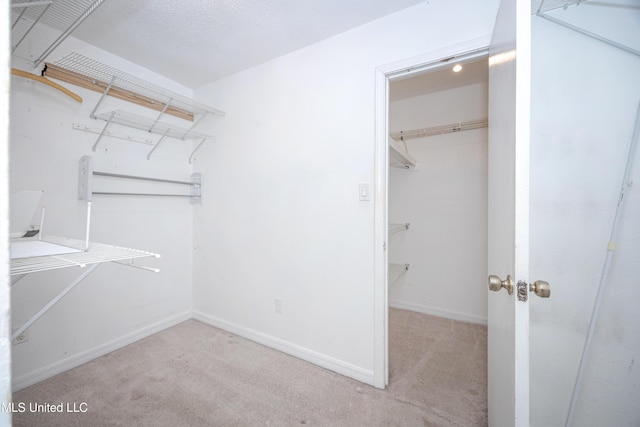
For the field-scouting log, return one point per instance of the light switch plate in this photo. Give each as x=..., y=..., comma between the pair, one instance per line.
x=364, y=191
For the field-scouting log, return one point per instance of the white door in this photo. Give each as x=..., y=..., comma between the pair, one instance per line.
x=508, y=212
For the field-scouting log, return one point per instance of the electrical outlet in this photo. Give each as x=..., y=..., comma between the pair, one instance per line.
x=279, y=305
x=22, y=338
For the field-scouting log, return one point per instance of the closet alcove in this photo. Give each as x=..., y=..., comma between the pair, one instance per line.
x=437, y=232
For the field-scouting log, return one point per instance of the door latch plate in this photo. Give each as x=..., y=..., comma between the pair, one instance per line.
x=523, y=290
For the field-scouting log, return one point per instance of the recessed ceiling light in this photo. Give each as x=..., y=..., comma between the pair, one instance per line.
x=457, y=68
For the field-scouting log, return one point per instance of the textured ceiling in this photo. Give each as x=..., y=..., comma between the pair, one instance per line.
x=195, y=42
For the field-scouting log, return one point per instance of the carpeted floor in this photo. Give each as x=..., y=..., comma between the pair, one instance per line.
x=197, y=375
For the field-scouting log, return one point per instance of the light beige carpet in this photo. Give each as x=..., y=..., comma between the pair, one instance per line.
x=197, y=375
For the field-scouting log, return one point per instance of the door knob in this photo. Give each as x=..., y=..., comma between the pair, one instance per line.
x=540, y=288
x=495, y=284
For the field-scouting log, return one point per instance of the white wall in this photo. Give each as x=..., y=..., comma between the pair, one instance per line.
x=585, y=97
x=445, y=200
x=286, y=222
x=5, y=301
x=116, y=304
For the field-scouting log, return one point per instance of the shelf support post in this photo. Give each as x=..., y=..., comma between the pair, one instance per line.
x=93, y=112
x=51, y=303
x=193, y=126
x=104, y=129
x=158, y=143
x=160, y=115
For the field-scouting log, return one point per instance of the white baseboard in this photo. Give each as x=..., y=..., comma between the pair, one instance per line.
x=71, y=362
x=327, y=362
x=440, y=312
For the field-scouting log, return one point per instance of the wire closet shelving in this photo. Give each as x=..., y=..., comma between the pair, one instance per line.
x=39, y=26
x=90, y=74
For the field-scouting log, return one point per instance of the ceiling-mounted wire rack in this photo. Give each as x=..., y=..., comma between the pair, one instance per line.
x=39, y=26
x=90, y=74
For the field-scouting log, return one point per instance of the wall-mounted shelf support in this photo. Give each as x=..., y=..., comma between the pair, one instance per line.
x=54, y=301
x=195, y=123
x=196, y=188
x=164, y=110
x=396, y=271
x=394, y=228
x=106, y=91
x=401, y=155
x=196, y=149
x=158, y=143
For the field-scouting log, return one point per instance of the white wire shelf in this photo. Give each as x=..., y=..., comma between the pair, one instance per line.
x=62, y=252
x=137, y=121
x=91, y=74
x=538, y=6
x=38, y=27
x=401, y=155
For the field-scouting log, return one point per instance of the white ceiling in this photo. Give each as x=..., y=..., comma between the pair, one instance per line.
x=195, y=42
x=473, y=72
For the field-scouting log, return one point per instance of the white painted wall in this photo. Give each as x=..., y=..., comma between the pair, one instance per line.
x=5, y=300
x=285, y=221
x=115, y=305
x=445, y=200
x=585, y=97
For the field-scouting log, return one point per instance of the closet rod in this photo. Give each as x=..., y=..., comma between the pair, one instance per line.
x=140, y=178
x=438, y=130
x=107, y=193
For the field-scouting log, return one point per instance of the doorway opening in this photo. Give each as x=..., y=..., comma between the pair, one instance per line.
x=415, y=107
x=437, y=237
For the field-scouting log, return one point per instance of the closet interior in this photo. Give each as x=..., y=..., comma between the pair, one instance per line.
x=437, y=235
x=437, y=192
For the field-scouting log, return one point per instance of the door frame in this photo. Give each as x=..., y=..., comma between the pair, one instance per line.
x=384, y=74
